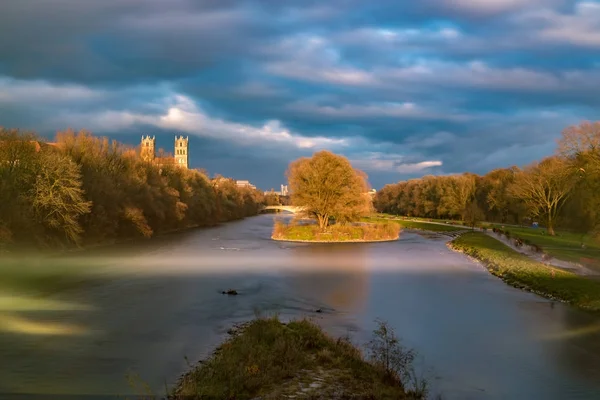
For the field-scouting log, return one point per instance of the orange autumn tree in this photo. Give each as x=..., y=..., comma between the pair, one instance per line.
x=327, y=186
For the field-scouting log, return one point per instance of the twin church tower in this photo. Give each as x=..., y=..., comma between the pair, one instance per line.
x=180, y=155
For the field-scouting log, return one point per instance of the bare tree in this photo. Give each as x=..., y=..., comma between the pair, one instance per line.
x=57, y=198
x=544, y=187
x=583, y=141
x=581, y=146
x=473, y=215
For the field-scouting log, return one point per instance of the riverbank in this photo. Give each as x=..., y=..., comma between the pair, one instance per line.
x=567, y=247
x=412, y=224
x=538, y=254
x=272, y=360
x=520, y=271
x=75, y=249
x=50, y=271
x=366, y=232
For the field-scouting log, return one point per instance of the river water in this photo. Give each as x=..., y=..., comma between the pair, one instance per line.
x=147, y=310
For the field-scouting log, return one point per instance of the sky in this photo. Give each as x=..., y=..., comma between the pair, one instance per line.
x=402, y=88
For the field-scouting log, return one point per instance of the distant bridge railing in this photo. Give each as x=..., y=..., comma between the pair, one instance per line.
x=292, y=209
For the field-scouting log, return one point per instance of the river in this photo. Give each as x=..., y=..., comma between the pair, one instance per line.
x=148, y=309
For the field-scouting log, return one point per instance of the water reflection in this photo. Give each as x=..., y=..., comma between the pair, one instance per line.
x=577, y=345
x=338, y=276
x=16, y=324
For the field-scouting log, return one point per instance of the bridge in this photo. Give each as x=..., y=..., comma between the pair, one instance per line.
x=292, y=209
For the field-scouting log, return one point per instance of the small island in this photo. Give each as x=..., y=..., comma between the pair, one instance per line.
x=334, y=197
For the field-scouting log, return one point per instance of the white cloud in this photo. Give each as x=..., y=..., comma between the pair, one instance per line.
x=581, y=28
x=320, y=12
x=384, y=162
x=437, y=139
x=317, y=59
x=417, y=167
x=185, y=116
x=378, y=36
x=38, y=91
x=324, y=73
x=492, y=6
x=186, y=21
x=387, y=109
x=474, y=73
x=406, y=109
x=449, y=33
x=258, y=89
x=182, y=115
x=314, y=59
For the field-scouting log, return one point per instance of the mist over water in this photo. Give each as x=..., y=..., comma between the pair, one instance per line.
x=140, y=309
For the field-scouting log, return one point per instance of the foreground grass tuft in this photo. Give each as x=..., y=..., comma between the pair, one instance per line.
x=520, y=271
x=272, y=360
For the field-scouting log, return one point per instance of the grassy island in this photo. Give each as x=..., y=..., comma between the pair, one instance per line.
x=365, y=232
x=520, y=271
x=268, y=359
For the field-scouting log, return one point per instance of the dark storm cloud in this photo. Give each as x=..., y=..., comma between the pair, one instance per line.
x=402, y=88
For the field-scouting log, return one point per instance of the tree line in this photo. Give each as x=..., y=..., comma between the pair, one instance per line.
x=562, y=190
x=84, y=189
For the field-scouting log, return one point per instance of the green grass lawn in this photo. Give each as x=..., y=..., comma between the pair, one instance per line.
x=421, y=225
x=520, y=271
x=565, y=245
x=271, y=360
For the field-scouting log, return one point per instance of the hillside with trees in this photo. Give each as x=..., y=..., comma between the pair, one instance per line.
x=85, y=190
x=559, y=191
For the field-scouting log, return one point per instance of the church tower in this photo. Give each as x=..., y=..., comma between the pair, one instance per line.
x=147, y=148
x=181, y=151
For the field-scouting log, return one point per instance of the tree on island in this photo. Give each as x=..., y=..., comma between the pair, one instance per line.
x=327, y=186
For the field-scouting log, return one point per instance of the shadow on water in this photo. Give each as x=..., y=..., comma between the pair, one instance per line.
x=149, y=308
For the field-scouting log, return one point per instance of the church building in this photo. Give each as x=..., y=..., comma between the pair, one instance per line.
x=180, y=155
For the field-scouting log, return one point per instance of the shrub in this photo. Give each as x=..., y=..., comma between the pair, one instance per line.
x=395, y=360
